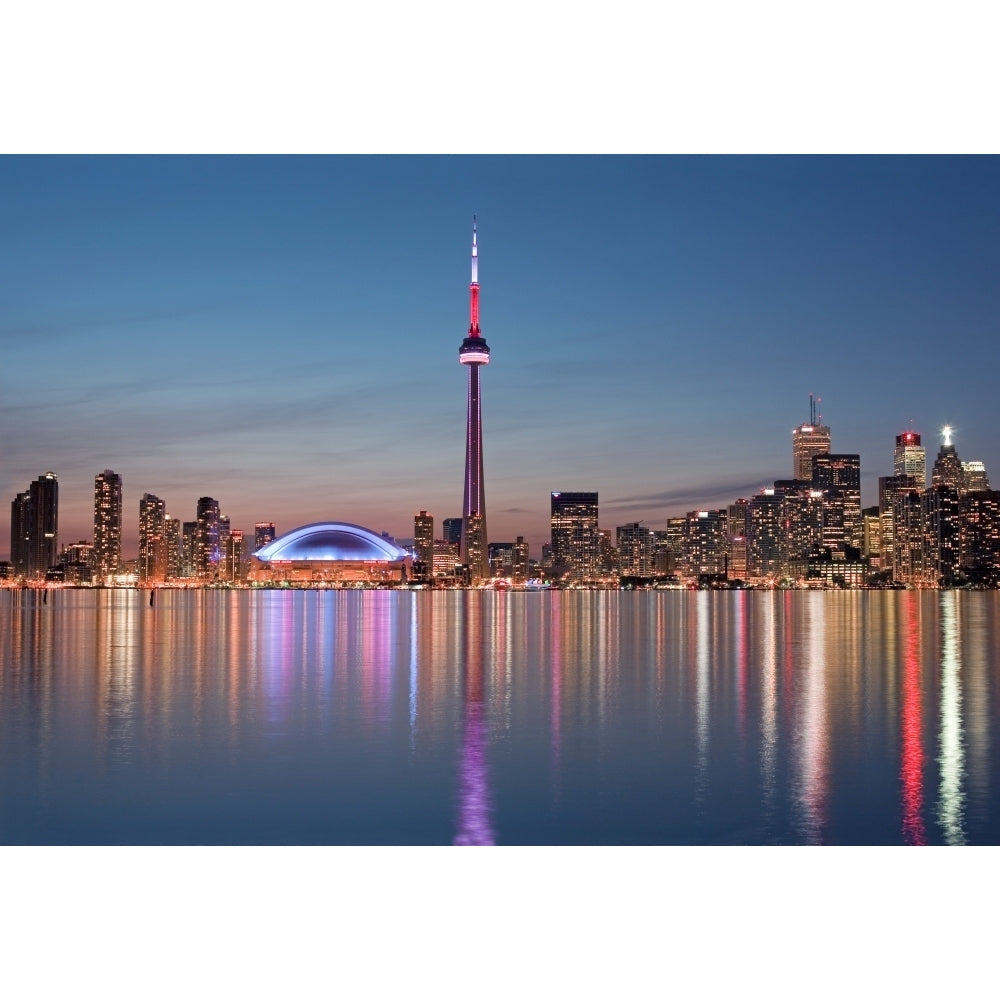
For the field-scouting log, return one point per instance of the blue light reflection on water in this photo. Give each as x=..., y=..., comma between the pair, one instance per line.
x=467, y=717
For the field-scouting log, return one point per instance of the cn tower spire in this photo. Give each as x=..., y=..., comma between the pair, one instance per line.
x=474, y=286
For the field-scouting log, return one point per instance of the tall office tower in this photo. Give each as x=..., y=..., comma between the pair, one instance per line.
x=451, y=531
x=871, y=539
x=941, y=534
x=263, y=534
x=607, y=554
x=43, y=524
x=152, y=539
x=233, y=556
x=909, y=555
x=839, y=477
x=635, y=549
x=947, y=469
x=423, y=540
x=519, y=570
x=20, y=532
x=974, y=477
x=808, y=440
x=575, y=538
x=206, y=539
x=189, y=546
x=979, y=514
x=889, y=488
x=765, y=535
x=706, y=542
x=107, y=524
x=173, y=539
x=802, y=513
x=445, y=557
x=909, y=458
x=474, y=353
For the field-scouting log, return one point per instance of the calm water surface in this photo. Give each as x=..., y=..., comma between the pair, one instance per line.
x=522, y=718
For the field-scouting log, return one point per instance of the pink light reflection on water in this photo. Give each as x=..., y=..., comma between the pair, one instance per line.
x=474, y=806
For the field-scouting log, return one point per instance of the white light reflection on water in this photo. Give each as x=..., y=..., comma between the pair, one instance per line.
x=812, y=737
x=951, y=800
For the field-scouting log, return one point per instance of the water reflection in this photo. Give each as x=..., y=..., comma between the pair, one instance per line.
x=911, y=722
x=952, y=751
x=389, y=717
x=812, y=737
x=474, y=821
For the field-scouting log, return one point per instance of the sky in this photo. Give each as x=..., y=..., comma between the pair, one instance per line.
x=281, y=332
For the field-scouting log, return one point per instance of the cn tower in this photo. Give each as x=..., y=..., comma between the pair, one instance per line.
x=474, y=352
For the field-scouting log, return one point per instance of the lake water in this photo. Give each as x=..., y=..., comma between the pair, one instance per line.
x=382, y=717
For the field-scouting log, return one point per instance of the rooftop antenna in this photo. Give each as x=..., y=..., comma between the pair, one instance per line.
x=812, y=409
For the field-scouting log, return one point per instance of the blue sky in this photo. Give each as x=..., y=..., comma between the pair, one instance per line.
x=281, y=332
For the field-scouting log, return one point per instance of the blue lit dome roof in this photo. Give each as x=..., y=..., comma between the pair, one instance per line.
x=329, y=541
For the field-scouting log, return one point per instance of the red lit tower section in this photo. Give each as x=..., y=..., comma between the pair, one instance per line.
x=474, y=353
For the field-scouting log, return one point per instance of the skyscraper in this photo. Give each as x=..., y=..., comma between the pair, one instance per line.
x=423, y=540
x=947, y=469
x=34, y=527
x=575, y=538
x=107, y=524
x=474, y=353
x=839, y=477
x=808, y=440
x=206, y=539
x=152, y=539
x=910, y=459
x=263, y=534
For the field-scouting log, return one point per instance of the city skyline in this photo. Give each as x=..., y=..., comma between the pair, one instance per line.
x=277, y=332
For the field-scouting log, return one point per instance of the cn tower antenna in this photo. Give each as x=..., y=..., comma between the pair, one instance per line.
x=474, y=286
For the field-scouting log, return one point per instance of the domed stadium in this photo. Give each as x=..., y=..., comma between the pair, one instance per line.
x=330, y=553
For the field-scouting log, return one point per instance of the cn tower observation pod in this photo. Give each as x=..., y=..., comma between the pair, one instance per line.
x=330, y=552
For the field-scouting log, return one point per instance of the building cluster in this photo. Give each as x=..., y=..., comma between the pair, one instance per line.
x=810, y=530
x=204, y=550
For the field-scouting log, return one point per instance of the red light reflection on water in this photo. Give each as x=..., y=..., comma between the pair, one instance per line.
x=912, y=753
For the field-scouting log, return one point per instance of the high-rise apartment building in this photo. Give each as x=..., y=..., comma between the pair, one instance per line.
x=519, y=568
x=808, y=440
x=910, y=459
x=263, y=534
x=107, y=524
x=174, y=543
x=152, y=539
x=423, y=539
x=889, y=489
x=206, y=539
x=575, y=539
x=34, y=527
x=979, y=514
x=20, y=533
x=706, y=542
x=765, y=535
x=474, y=353
x=233, y=552
x=43, y=546
x=635, y=549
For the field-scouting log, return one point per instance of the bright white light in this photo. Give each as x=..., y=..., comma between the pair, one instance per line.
x=946, y=431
